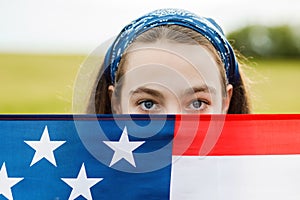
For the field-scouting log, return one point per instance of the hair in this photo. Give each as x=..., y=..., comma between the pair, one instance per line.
x=100, y=99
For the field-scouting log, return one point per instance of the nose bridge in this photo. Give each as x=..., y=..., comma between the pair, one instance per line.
x=173, y=105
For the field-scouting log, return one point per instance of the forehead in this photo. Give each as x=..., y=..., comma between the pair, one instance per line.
x=167, y=60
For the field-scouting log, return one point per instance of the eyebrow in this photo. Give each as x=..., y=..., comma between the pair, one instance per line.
x=202, y=88
x=147, y=91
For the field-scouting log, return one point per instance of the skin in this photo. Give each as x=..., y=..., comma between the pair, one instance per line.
x=171, y=78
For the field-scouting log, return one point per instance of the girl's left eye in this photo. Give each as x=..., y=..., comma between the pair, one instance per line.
x=197, y=105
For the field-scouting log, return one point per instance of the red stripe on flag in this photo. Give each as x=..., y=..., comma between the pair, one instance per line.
x=228, y=135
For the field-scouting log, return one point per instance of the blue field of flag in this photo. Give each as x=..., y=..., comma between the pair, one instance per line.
x=59, y=157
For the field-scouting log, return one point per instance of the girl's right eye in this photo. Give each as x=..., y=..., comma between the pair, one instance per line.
x=148, y=105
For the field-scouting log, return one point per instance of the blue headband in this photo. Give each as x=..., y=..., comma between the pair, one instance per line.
x=205, y=26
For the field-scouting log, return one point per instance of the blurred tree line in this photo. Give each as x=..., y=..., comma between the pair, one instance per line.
x=267, y=42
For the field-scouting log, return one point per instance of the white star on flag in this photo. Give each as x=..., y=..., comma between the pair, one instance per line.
x=123, y=148
x=7, y=183
x=81, y=185
x=44, y=148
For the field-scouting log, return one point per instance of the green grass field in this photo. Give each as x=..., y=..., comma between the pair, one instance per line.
x=275, y=86
x=37, y=83
x=43, y=84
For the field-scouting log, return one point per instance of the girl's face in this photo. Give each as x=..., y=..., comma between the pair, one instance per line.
x=171, y=78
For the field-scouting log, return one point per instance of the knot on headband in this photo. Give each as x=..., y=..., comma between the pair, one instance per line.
x=205, y=26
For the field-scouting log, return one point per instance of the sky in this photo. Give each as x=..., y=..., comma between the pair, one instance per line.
x=79, y=26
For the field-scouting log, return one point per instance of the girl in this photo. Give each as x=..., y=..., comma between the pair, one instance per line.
x=170, y=61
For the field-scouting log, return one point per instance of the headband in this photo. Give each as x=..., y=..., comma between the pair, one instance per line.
x=205, y=26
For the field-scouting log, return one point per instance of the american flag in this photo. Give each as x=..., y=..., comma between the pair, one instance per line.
x=150, y=157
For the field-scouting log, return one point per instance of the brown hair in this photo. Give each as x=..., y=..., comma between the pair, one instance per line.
x=100, y=102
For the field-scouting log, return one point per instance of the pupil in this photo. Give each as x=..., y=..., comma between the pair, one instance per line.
x=197, y=104
x=148, y=104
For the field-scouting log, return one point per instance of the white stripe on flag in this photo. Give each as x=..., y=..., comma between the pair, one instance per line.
x=236, y=177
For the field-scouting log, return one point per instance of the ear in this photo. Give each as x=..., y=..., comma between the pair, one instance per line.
x=111, y=90
x=115, y=104
x=227, y=99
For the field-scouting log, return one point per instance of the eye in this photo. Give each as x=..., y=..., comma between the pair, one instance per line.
x=148, y=105
x=197, y=105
